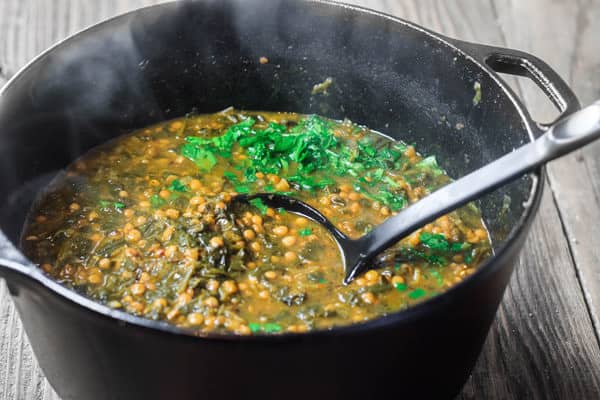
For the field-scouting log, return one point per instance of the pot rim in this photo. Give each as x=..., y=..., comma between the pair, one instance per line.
x=160, y=327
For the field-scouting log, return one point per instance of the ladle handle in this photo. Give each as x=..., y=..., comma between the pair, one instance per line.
x=563, y=137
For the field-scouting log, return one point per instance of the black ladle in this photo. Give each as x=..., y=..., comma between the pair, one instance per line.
x=561, y=138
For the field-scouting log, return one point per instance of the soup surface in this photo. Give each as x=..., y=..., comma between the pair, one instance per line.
x=146, y=223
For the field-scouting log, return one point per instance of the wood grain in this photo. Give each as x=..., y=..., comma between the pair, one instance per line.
x=575, y=179
x=20, y=376
x=542, y=344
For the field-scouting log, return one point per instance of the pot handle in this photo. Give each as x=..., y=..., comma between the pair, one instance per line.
x=515, y=62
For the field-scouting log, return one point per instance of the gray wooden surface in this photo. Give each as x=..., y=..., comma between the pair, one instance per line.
x=544, y=341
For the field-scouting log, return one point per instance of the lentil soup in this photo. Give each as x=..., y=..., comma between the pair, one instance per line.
x=145, y=223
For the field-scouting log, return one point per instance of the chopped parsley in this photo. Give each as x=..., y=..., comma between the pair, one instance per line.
x=266, y=327
x=417, y=294
x=305, y=232
x=434, y=241
x=258, y=203
x=469, y=257
x=105, y=204
x=438, y=242
x=235, y=181
x=394, y=201
x=203, y=158
x=299, y=153
x=437, y=275
x=177, y=186
x=434, y=249
x=156, y=201
x=430, y=165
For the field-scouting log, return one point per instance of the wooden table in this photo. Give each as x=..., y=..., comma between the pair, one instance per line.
x=544, y=341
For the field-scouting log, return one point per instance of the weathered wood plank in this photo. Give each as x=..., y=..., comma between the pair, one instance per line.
x=20, y=375
x=30, y=26
x=541, y=344
x=575, y=179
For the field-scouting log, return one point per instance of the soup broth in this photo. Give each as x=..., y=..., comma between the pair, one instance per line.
x=146, y=224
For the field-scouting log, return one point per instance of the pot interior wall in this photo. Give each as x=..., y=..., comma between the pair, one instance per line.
x=167, y=61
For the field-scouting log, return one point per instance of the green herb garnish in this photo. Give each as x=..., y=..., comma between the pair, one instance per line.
x=458, y=247
x=417, y=293
x=203, y=151
x=177, y=186
x=305, y=232
x=297, y=153
x=430, y=165
x=117, y=205
x=156, y=201
x=412, y=254
x=266, y=328
x=401, y=287
x=258, y=203
x=434, y=241
x=437, y=275
x=396, y=202
x=235, y=181
x=203, y=158
x=469, y=258
x=222, y=145
x=391, y=182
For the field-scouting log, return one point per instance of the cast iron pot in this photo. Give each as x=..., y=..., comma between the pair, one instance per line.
x=164, y=61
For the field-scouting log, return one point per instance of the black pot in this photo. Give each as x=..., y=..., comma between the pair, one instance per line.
x=164, y=61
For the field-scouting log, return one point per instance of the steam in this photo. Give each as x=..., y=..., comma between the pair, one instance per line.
x=90, y=80
x=163, y=62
